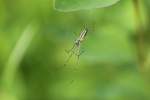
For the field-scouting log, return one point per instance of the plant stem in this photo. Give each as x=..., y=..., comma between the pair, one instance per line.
x=16, y=57
x=140, y=34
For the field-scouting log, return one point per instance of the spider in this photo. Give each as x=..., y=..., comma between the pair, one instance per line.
x=75, y=50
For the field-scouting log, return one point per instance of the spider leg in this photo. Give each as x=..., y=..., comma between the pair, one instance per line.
x=78, y=53
x=70, y=50
x=68, y=58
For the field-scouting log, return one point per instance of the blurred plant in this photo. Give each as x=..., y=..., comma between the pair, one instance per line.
x=74, y=5
x=15, y=58
x=106, y=71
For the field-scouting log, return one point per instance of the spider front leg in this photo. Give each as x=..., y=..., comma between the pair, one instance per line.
x=70, y=55
x=78, y=53
x=71, y=52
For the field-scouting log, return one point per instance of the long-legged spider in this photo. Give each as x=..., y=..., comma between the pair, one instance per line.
x=75, y=50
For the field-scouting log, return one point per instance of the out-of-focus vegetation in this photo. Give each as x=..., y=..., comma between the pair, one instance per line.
x=114, y=66
x=74, y=5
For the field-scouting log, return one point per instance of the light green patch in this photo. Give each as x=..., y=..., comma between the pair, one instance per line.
x=74, y=5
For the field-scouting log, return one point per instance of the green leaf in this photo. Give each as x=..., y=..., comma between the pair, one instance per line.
x=74, y=5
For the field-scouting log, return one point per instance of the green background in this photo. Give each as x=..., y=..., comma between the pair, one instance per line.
x=33, y=40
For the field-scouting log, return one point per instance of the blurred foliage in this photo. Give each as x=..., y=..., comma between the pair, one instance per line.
x=33, y=40
x=74, y=5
